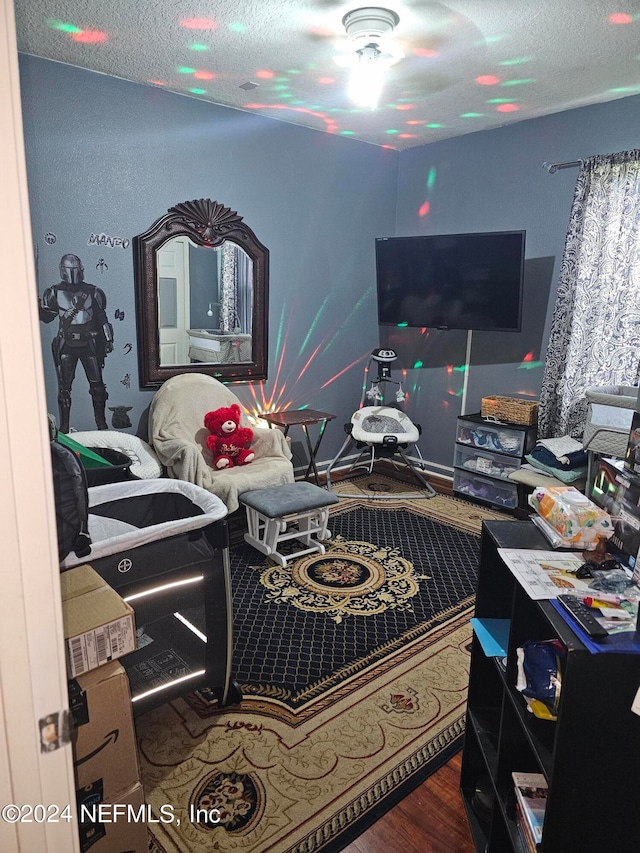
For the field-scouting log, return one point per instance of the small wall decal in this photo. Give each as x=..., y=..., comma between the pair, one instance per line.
x=102, y=266
x=120, y=419
x=119, y=315
x=126, y=381
x=50, y=238
x=127, y=348
x=107, y=240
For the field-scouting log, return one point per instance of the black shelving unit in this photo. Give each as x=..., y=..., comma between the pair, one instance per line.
x=589, y=755
x=485, y=454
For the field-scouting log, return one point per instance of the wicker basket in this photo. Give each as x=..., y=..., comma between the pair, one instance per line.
x=512, y=410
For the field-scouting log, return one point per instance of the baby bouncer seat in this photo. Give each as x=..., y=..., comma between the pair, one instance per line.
x=382, y=431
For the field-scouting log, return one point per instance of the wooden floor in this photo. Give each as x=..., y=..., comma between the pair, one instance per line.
x=431, y=819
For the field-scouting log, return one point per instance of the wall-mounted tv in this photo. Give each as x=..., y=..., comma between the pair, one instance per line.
x=451, y=281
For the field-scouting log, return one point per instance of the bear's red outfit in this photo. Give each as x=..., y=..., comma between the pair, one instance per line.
x=229, y=442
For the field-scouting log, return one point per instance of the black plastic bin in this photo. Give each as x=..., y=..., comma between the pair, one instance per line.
x=118, y=470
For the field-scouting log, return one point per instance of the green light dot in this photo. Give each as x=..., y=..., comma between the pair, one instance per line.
x=185, y=70
x=296, y=103
x=281, y=87
x=292, y=71
x=285, y=95
x=471, y=115
x=431, y=178
x=236, y=27
x=499, y=101
x=623, y=89
x=418, y=364
x=198, y=91
x=517, y=82
x=347, y=132
x=434, y=124
x=65, y=28
x=392, y=131
x=519, y=61
x=402, y=325
x=198, y=47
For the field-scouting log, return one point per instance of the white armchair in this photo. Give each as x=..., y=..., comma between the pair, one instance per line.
x=179, y=437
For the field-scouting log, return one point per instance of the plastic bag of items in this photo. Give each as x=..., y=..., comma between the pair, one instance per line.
x=568, y=518
x=539, y=676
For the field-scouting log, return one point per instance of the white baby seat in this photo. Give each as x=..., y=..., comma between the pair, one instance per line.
x=382, y=431
x=374, y=424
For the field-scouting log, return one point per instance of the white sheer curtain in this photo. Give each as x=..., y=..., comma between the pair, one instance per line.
x=595, y=333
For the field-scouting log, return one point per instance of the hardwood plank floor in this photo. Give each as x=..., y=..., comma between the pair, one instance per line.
x=431, y=819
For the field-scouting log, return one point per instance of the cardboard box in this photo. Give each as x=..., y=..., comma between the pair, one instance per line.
x=105, y=756
x=98, y=625
x=115, y=825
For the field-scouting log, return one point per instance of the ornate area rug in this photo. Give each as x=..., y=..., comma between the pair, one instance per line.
x=354, y=669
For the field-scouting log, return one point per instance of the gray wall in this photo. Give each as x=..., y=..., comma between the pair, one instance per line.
x=105, y=156
x=494, y=181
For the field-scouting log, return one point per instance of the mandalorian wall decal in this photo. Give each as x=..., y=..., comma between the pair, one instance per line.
x=106, y=240
x=126, y=381
x=84, y=335
x=120, y=419
x=102, y=266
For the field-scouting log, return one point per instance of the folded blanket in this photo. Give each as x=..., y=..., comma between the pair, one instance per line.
x=565, y=476
x=578, y=459
x=560, y=446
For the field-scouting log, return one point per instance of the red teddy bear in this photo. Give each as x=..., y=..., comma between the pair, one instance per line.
x=229, y=442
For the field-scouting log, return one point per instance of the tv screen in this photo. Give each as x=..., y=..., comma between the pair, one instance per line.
x=451, y=281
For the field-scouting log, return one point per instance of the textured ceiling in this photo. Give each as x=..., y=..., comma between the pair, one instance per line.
x=469, y=64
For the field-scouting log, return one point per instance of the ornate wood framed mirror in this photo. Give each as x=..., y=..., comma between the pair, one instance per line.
x=202, y=283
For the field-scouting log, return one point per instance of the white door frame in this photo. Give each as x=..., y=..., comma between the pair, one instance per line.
x=32, y=666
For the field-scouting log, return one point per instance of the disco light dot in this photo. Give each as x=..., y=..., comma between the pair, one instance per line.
x=203, y=75
x=425, y=51
x=89, y=37
x=198, y=91
x=185, y=70
x=471, y=115
x=418, y=364
x=431, y=178
x=487, y=80
x=198, y=47
x=157, y=82
x=347, y=132
x=405, y=106
x=624, y=89
x=518, y=61
x=236, y=27
x=198, y=24
x=498, y=100
x=507, y=108
x=434, y=125
x=254, y=106
x=416, y=121
x=424, y=208
x=518, y=82
x=391, y=131
x=402, y=325
x=407, y=136
x=620, y=18
x=64, y=28
x=264, y=74
x=326, y=81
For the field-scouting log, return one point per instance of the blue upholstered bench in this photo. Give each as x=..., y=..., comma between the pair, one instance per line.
x=295, y=511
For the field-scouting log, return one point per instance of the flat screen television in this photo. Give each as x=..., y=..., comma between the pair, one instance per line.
x=451, y=281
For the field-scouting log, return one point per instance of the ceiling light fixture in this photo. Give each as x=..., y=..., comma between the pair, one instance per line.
x=369, y=52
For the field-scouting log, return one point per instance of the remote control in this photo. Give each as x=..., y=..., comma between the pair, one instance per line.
x=583, y=615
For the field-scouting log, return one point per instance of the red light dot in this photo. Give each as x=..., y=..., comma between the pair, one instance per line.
x=388, y=146
x=415, y=121
x=406, y=136
x=89, y=36
x=157, y=82
x=404, y=107
x=620, y=18
x=425, y=51
x=203, y=75
x=424, y=208
x=265, y=75
x=254, y=106
x=487, y=80
x=507, y=108
x=528, y=357
x=198, y=23
x=326, y=81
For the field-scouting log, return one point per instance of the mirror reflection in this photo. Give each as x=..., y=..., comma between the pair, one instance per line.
x=205, y=303
x=202, y=296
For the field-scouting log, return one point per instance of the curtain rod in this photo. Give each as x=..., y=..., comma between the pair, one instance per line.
x=553, y=167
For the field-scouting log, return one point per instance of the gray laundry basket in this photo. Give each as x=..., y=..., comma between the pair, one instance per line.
x=609, y=415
